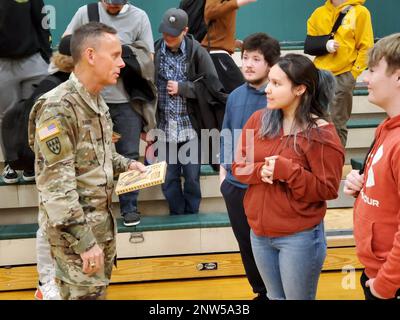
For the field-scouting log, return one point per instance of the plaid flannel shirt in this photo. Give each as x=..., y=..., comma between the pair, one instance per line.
x=173, y=116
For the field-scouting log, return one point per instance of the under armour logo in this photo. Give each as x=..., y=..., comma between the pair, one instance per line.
x=172, y=19
x=371, y=176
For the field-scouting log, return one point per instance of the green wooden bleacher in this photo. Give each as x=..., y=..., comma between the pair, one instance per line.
x=205, y=170
x=147, y=223
x=363, y=123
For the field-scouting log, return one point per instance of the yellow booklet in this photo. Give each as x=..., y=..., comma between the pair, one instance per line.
x=134, y=180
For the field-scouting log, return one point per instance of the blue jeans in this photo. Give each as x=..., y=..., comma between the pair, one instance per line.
x=180, y=201
x=128, y=123
x=233, y=197
x=290, y=266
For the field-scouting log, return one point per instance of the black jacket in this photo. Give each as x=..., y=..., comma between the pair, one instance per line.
x=138, y=79
x=201, y=71
x=204, y=93
x=14, y=128
x=208, y=108
x=21, y=30
x=136, y=83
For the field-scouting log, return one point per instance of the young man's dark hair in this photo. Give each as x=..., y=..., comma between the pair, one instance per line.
x=88, y=32
x=268, y=46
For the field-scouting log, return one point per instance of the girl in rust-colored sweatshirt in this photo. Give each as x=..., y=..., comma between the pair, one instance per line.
x=292, y=159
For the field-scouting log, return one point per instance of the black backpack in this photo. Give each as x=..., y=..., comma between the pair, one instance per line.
x=195, y=10
x=14, y=128
x=93, y=12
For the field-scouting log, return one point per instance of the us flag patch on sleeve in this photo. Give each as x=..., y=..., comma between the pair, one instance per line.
x=48, y=129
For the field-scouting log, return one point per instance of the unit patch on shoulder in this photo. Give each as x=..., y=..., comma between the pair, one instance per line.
x=53, y=142
x=54, y=145
x=48, y=129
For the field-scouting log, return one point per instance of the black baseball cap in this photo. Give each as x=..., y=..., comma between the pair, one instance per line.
x=174, y=22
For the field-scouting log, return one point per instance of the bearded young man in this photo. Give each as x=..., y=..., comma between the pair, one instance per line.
x=259, y=54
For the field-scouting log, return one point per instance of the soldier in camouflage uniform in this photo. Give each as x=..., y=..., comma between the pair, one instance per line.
x=71, y=134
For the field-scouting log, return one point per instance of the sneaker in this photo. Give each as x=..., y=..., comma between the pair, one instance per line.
x=47, y=291
x=10, y=175
x=28, y=175
x=131, y=219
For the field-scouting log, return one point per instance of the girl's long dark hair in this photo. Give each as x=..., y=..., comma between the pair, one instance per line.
x=320, y=89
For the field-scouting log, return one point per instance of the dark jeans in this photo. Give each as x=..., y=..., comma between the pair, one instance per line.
x=367, y=291
x=233, y=197
x=180, y=201
x=128, y=123
x=228, y=72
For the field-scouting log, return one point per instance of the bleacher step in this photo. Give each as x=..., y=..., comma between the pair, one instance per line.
x=166, y=236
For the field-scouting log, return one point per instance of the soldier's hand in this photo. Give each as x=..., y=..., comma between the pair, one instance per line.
x=136, y=165
x=93, y=260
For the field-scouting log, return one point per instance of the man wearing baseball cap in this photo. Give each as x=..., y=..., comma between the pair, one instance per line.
x=114, y=7
x=132, y=24
x=179, y=59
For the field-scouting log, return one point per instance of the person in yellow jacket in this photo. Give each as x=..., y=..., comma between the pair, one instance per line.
x=347, y=56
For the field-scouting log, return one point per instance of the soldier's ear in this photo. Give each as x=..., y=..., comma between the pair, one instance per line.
x=397, y=75
x=89, y=55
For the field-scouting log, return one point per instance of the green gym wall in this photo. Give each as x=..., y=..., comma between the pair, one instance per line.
x=282, y=19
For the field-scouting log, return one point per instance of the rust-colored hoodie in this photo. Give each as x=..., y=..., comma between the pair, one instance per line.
x=303, y=180
x=377, y=211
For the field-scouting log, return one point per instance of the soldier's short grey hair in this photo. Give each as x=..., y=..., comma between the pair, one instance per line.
x=88, y=32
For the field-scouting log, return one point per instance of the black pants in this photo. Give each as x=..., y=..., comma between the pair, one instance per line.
x=228, y=72
x=233, y=197
x=367, y=291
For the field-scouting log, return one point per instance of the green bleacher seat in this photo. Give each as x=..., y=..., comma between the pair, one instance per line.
x=147, y=223
x=205, y=170
x=18, y=231
x=363, y=123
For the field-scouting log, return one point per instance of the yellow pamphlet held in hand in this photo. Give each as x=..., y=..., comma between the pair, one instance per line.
x=134, y=180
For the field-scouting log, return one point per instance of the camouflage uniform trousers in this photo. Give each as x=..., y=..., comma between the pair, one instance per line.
x=84, y=287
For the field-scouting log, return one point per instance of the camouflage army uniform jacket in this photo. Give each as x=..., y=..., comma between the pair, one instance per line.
x=70, y=132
